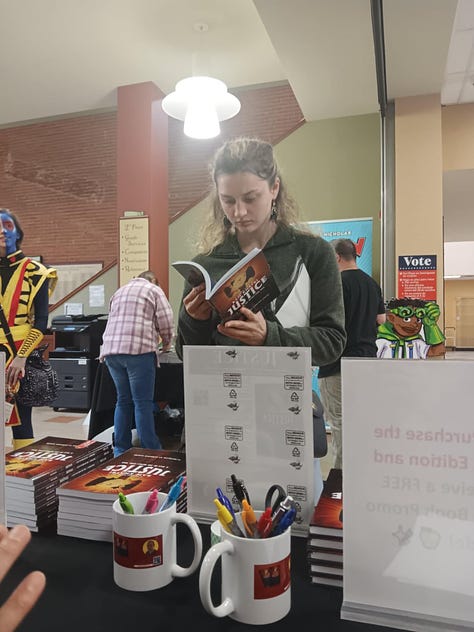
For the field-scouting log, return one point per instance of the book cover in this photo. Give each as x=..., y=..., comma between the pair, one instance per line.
x=316, y=553
x=249, y=283
x=325, y=541
x=329, y=568
x=327, y=580
x=136, y=470
x=49, y=459
x=327, y=517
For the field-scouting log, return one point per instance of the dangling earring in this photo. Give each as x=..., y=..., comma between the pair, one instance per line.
x=274, y=211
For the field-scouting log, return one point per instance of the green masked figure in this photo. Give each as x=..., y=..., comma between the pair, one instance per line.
x=400, y=336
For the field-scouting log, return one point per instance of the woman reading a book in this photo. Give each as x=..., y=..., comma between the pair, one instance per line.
x=251, y=209
x=24, y=294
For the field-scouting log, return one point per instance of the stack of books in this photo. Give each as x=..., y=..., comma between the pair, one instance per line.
x=324, y=549
x=33, y=473
x=85, y=503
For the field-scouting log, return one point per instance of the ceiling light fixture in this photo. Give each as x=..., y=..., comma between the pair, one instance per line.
x=201, y=102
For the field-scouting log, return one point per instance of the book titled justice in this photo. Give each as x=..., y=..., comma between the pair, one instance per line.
x=249, y=283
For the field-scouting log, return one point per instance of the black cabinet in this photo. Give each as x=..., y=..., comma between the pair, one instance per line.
x=75, y=358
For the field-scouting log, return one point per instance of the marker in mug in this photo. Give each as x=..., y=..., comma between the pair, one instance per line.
x=152, y=502
x=173, y=494
x=126, y=505
x=249, y=519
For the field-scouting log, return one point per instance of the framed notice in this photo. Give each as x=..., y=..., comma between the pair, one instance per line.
x=134, y=248
x=249, y=413
x=417, y=277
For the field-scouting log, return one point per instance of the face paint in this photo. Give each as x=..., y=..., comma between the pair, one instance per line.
x=8, y=229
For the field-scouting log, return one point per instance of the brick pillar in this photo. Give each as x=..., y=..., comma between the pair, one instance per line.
x=142, y=167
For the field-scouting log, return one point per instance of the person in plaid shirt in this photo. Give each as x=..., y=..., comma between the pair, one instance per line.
x=139, y=315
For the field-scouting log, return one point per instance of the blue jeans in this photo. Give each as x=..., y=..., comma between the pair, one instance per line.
x=134, y=379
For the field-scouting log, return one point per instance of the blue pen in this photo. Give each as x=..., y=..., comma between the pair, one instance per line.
x=225, y=501
x=173, y=494
x=285, y=522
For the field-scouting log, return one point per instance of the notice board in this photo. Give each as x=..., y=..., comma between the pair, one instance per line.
x=408, y=477
x=249, y=413
x=134, y=248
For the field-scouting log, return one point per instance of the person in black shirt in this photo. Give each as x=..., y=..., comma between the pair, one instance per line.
x=364, y=311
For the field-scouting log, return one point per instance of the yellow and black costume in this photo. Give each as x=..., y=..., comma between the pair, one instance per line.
x=24, y=293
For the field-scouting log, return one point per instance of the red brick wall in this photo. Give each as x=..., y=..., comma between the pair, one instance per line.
x=59, y=176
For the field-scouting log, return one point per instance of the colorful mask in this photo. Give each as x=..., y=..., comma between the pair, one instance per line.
x=8, y=228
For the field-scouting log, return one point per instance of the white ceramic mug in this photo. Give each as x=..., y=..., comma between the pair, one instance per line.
x=256, y=580
x=215, y=532
x=145, y=544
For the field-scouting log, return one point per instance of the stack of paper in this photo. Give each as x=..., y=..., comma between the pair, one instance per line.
x=33, y=474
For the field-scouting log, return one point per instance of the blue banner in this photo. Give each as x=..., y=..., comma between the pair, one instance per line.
x=358, y=230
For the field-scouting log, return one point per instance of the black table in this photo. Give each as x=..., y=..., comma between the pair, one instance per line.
x=81, y=595
x=169, y=387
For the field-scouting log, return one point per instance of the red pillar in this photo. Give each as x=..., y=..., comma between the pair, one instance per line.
x=142, y=167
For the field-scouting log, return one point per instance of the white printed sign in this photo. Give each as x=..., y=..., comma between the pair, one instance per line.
x=408, y=474
x=249, y=413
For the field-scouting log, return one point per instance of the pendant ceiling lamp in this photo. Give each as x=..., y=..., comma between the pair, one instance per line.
x=201, y=102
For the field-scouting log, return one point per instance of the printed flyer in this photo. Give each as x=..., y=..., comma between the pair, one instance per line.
x=249, y=413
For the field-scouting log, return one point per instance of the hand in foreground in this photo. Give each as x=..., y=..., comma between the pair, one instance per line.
x=196, y=305
x=250, y=331
x=25, y=595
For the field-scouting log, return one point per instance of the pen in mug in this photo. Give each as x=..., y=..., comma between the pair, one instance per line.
x=285, y=506
x=226, y=519
x=224, y=500
x=286, y=522
x=152, y=502
x=264, y=520
x=126, y=505
x=240, y=490
x=173, y=494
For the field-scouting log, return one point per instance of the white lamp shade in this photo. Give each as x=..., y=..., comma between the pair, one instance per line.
x=201, y=96
x=201, y=119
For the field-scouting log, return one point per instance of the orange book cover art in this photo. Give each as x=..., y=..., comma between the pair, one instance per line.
x=47, y=455
x=136, y=470
x=328, y=511
x=248, y=283
x=252, y=286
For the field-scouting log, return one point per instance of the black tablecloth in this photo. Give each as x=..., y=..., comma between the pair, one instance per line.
x=81, y=595
x=169, y=388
